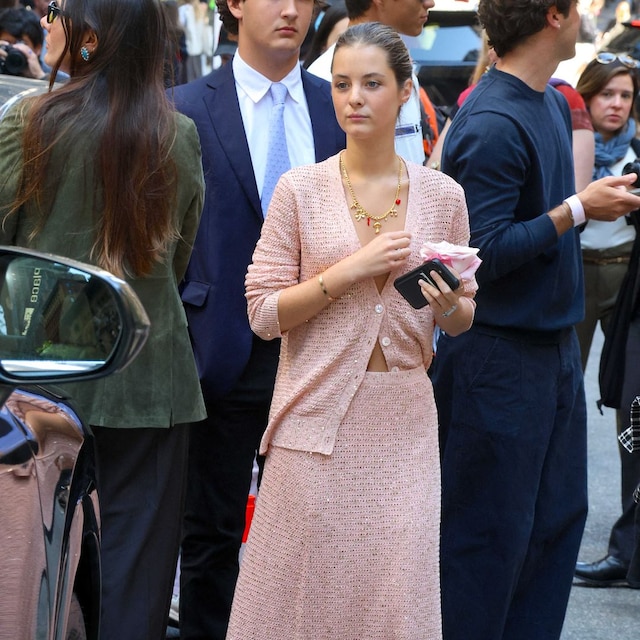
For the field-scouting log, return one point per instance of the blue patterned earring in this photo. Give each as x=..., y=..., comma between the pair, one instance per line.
x=84, y=53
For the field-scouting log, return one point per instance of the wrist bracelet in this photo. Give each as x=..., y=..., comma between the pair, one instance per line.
x=473, y=310
x=324, y=289
x=578, y=216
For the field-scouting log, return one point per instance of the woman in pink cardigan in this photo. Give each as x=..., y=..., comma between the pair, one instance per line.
x=345, y=539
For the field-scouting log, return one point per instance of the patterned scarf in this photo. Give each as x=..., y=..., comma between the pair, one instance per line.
x=612, y=151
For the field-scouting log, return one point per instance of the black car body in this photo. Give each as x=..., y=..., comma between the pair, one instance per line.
x=59, y=321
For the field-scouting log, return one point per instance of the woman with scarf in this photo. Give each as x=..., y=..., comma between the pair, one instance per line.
x=609, y=86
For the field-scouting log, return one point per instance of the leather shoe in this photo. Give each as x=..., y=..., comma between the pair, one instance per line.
x=607, y=572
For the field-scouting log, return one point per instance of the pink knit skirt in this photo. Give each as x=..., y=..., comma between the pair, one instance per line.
x=346, y=546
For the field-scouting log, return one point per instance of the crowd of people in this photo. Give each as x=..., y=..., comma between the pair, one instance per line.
x=263, y=212
x=21, y=32
x=609, y=86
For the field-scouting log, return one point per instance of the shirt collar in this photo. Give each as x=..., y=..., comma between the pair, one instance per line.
x=256, y=86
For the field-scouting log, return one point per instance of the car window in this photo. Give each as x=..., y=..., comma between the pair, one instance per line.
x=455, y=44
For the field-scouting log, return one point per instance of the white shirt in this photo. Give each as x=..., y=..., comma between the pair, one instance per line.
x=255, y=106
x=409, y=143
x=605, y=235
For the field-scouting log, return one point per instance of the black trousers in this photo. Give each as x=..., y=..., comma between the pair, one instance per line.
x=141, y=482
x=221, y=454
x=622, y=541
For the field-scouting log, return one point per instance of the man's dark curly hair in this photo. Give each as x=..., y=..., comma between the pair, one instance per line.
x=509, y=22
x=230, y=22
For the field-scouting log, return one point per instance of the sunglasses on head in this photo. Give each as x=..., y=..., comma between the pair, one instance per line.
x=606, y=57
x=53, y=11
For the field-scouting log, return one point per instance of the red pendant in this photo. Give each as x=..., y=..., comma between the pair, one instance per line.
x=368, y=222
x=398, y=201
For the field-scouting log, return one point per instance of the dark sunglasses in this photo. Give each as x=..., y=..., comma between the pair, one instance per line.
x=53, y=11
x=607, y=57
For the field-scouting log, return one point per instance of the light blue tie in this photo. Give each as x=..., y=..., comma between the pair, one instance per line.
x=277, y=154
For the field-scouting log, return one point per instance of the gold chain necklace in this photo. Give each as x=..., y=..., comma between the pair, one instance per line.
x=360, y=212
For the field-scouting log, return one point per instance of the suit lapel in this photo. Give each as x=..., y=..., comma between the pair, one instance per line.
x=226, y=119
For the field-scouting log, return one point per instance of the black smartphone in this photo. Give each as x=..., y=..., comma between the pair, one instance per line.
x=408, y=287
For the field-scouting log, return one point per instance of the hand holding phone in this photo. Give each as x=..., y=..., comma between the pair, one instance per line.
x=408, y=285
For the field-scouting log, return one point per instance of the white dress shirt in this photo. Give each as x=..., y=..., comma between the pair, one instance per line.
x=255, y=106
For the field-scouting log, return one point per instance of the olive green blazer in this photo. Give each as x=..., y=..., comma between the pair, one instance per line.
x=161, y=387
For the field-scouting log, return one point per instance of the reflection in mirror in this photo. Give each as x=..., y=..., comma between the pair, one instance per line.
x=54, y=317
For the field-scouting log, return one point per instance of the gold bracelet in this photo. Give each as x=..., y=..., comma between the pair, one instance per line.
x=324, y=289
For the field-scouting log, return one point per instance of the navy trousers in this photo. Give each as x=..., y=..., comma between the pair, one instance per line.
x=513, y=437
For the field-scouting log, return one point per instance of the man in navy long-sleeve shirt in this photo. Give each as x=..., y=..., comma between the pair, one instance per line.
x=510, y=391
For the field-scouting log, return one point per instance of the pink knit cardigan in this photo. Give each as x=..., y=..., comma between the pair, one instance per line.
x=309, y=227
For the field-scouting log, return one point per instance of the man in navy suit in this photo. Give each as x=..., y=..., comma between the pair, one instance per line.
x=231, y=109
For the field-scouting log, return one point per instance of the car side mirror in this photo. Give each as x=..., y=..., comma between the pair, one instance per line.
x=62, y=320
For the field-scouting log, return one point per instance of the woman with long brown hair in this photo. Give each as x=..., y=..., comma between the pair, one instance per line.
x=102, y=170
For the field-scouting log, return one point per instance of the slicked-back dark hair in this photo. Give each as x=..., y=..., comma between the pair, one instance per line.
x=384, y=37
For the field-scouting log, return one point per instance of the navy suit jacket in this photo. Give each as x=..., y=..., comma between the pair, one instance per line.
x=213, y=288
